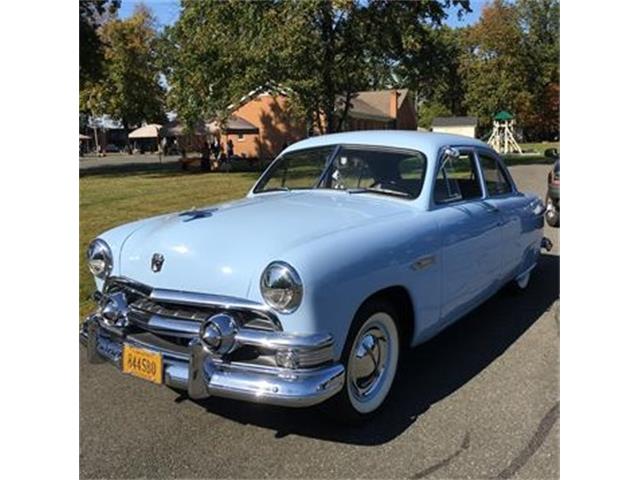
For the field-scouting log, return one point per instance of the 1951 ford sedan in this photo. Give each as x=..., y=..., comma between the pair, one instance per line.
x=348, y=250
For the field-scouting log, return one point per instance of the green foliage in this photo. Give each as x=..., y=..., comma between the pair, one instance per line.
x=92, y=15
x=132, y=87
x=323, y=50
x=215, y=53
x=510, y=62
x=129, y=88
x=428, y=111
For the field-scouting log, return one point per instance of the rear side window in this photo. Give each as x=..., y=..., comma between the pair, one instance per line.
x=495, y=178
x=457, y=180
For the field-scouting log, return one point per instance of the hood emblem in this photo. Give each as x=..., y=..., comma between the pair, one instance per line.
x=156, y=262
x=194, y=214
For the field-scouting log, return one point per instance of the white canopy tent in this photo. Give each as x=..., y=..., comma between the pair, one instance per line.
x=148, y=131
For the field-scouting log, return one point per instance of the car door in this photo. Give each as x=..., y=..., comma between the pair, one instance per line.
x=502, y=195
x=470, y=235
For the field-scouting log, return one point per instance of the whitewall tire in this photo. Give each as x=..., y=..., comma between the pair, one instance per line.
x=370, y=357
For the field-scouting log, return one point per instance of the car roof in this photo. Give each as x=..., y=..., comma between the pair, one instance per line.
x=410, y=139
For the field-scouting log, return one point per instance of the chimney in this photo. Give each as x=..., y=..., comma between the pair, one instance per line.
x=393, y=104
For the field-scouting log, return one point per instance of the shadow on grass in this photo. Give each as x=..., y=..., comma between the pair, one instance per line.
x=165, y=169
x=430, y=372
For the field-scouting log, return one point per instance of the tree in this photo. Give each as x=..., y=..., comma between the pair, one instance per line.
x=215, y=53
x=323, y=50
x=510, y=62
x=92, y=14
x=131, y=89
x=540, y=24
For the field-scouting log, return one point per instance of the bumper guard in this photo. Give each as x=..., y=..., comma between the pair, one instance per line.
x=202, y=374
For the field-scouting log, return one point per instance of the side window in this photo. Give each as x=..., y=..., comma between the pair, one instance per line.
x=495, y=178
x=457, y=179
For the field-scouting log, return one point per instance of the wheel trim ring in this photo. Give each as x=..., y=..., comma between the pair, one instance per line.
x=377, y=391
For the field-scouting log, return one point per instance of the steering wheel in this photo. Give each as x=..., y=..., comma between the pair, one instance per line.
x=385, y=185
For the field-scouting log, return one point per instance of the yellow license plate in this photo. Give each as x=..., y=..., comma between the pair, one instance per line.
x=142, y=363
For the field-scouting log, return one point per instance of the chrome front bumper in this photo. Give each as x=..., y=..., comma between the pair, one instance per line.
x=201, y=374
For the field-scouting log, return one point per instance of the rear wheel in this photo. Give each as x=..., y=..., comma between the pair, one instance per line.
x=552, y=214
x=370, y=356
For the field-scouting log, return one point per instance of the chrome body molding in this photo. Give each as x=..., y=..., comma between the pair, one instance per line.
x=423, y=263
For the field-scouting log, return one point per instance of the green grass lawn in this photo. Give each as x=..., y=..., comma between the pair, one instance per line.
x=532, y=154
x=111, y=198
x=539, y=147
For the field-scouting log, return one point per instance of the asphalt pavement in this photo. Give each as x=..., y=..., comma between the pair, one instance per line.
x=481, y=400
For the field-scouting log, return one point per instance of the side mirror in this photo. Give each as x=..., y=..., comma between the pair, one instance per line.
x=451, y=152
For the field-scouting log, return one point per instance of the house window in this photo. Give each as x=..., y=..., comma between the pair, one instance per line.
x=241, y=137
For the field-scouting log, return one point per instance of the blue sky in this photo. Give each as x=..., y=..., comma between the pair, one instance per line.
x=168, y=11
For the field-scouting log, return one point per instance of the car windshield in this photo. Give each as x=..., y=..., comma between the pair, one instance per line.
x=383, y=171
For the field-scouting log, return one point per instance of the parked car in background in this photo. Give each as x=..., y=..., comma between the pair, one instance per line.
x=111, y=148
x=553, y=196
x=350, y=249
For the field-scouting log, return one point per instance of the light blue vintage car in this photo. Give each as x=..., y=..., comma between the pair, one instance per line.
x=349, y=249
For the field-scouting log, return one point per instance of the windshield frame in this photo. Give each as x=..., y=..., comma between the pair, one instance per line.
x=274, y=164
x=323, y=177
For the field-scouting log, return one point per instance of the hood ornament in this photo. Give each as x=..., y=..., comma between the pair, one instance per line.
x=194, y=214
x=157, y=260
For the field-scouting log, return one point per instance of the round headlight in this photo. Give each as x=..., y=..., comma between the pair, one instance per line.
x=99, y=258
x=281, y=287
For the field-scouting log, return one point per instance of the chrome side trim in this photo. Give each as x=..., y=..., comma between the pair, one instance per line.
x=527, y=271
x=423, y=263
x=276, y=340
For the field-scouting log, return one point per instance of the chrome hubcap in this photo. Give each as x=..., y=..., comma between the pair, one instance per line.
x=372, y=362
x=369, y=361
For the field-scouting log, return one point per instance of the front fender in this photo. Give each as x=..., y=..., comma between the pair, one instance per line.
x=340, y=271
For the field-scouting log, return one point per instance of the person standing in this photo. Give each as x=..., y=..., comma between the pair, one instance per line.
x=216, y=148
x=205, y=160
x=229, y=149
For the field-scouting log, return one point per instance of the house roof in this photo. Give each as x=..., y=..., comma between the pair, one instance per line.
x=454, y=122
x=375, y=104
x=174, y=128
x=237, y=124
x=503, y=116
x=266, y=88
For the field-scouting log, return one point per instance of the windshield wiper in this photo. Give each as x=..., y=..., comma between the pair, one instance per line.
x=383, y=191
x=275, y=189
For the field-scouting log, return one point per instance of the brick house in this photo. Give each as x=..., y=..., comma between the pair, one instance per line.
x=382, y=110
x=261, y=122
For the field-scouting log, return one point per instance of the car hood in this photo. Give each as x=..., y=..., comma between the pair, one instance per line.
x=223, y=248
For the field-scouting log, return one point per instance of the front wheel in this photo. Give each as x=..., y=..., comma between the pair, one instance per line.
x=370, y=357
